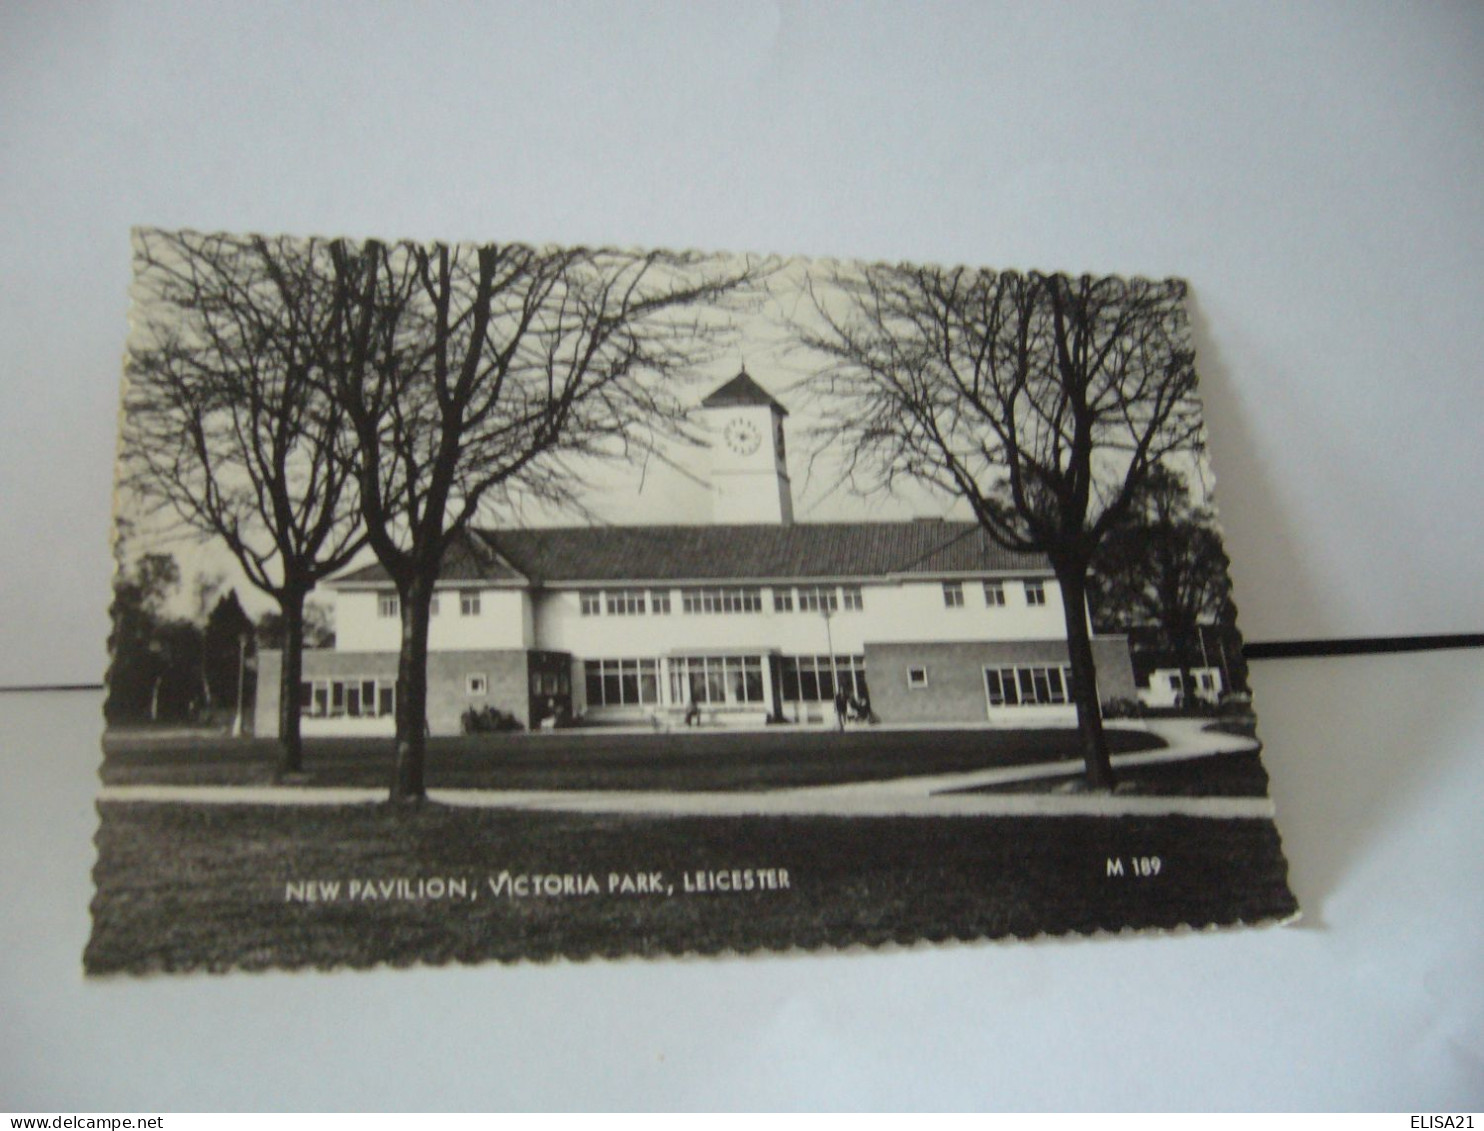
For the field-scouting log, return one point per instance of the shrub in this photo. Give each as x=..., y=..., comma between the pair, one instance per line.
x=488, y=720
x=1123, y=709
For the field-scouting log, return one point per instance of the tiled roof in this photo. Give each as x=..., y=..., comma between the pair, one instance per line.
x=741, y=390
x=731, y=553
x=467, y=559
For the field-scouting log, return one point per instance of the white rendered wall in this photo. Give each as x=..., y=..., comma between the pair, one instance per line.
x=560, y=626
x=1159, y=693
x=503, y=621
x=891, y=613
x=342, y=727
x=915, y=611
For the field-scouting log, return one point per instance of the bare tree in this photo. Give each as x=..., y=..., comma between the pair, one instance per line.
x=1043, y=401
x=472, y=375
x=227, y=424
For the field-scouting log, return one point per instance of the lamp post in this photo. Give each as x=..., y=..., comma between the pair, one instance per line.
x=161, y=656
x=241, y=680
x=826, y=601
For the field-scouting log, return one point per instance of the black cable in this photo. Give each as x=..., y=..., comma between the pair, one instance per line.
x=52, y=687
x=1359, y=646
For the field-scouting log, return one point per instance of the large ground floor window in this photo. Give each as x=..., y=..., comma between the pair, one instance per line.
x=813, y=679
x=677, y=681
x=1029, y=686
x=716, y=680
x=354, y=697
x=621, y=683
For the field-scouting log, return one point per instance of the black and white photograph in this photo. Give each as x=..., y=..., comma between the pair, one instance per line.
x=510, y=602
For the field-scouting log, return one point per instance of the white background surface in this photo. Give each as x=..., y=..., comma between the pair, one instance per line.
x=1315, y=171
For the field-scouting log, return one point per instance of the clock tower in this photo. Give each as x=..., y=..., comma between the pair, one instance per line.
x=749, y=472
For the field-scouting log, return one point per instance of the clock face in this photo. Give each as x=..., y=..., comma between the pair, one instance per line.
x=742, y=436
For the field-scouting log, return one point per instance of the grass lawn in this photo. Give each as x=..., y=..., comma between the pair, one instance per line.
x=678, y=760
x=186, y=886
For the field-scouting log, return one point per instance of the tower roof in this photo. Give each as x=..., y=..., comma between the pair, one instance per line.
x=742, y=390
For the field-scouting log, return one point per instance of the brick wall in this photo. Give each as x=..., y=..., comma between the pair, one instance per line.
x=507, y=685
x=955, y=675
x=270, y=673
x=1115, y=668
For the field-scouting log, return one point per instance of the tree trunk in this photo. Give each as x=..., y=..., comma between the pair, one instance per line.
x=1182, y=641
x=291, y=760
x=1094, y=743
x=412, y=693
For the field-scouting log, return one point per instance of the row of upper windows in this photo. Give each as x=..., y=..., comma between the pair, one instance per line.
x=804, y=599
x=723, y=599
x=390, y=605
x=994, y=593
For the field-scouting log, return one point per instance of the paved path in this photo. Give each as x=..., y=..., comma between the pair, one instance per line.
x=935, y=795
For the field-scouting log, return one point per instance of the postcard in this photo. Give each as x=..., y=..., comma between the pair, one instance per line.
x=504, y=602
